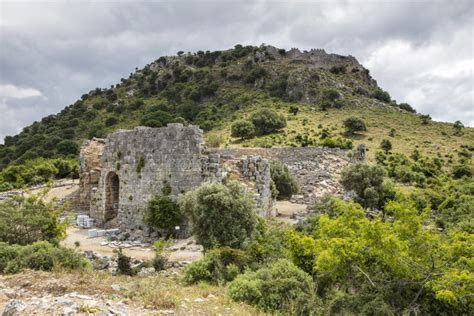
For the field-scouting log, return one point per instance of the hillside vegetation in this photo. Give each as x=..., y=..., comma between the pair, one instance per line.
x=402, y=244
x=314, y=91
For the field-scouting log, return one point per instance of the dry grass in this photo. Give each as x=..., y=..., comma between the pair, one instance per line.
x=435, y=138
x=160, y=292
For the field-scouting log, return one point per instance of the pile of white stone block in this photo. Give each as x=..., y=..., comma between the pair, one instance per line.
x=92, y=233
x=84, y=221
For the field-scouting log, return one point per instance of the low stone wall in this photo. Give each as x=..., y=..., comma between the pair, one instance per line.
x=316, y=169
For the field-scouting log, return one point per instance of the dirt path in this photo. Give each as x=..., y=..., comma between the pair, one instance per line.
x=179, y=250
x=75, y=235
x=286, y=210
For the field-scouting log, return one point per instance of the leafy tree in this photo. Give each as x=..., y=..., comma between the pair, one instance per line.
x=24, y=220
x=243, y=129
x=221, y=214
x=285, y=184
x=67, y=147
x=386, y=145
x=368, y=184
x=162, y=212
x=267, y=121
x=354, y=124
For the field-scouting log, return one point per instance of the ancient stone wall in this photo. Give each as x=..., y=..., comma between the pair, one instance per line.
x=120, y=174
x=316, y=169
x=142, y=160
x=90, y=166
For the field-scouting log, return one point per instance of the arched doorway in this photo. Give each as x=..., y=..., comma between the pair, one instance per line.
x=112, y=187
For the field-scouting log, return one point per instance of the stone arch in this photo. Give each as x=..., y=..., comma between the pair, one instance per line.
x=112, y=190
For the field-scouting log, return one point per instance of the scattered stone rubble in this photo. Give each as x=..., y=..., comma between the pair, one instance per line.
x=24, y=302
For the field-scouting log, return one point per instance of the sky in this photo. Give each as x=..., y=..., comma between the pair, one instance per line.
x=52, y=52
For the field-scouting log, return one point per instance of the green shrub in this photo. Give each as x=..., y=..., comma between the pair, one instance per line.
x=219, y=266
x=221, y=214
x=124, y=265
x=243, y=129
x=368, y=184
x=458, y=126
x=386, y=145
x=38, y=171
x=162, y=212
x=267, y=121
x=24, y=220
x=337, y=142
x=285, y=184
x=425, y=119
x=407, y=107
x=280, y=287
x=381, y=95
x=331, y=95
x=40, y=255
x=215, y=140
x=462, y=170
x=354, y=124
x=111, y=121
x=294, y=109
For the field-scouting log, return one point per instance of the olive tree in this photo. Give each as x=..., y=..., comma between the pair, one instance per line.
x=220, y=214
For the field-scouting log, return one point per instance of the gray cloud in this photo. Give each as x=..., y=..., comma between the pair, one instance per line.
x=421, y=52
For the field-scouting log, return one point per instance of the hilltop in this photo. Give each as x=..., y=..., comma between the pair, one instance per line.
x=213, y=89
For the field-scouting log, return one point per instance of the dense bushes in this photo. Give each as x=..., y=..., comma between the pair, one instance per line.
x=401, y=264
x=221, y=214
x=40, y=255
x=38, y=171
x=285, y=184
x=280, y=287
x=24, y=220
x=219, y=266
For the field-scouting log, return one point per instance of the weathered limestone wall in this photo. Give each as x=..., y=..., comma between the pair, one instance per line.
x=316, y=169
x=90, y=166
x=144, y=159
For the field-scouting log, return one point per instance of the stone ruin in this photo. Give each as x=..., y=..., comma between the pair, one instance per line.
x=120, y=174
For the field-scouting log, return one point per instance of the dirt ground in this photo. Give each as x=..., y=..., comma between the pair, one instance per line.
x=286, y=210
x=75, y=234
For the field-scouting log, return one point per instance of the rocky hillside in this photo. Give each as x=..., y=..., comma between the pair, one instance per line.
x=213, y=89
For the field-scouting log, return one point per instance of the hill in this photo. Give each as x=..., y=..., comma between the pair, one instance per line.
x=213, y=89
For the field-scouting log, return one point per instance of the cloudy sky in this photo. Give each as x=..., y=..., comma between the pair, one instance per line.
x=52, y=52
